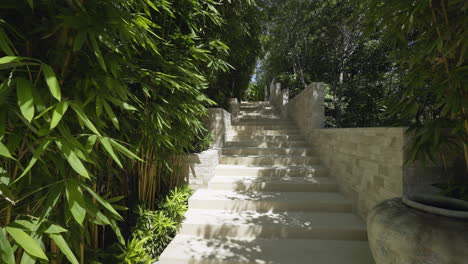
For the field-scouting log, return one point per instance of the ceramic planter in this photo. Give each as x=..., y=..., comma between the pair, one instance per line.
x=419, y=230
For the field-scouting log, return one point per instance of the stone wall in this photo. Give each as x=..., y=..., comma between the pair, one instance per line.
x=198, y=168
x=367, y=162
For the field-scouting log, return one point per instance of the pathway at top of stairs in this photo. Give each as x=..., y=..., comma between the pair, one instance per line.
x=270, y=202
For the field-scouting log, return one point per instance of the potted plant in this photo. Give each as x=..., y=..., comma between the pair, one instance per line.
x=428, y=46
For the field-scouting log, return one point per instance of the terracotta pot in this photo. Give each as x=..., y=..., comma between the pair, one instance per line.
x=419, y=230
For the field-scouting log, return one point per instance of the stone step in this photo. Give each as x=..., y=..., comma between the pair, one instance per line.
x=259, y=118
x=268, y=138
x=302, y=225
x=258, y=115
x=263, y=123
x=259, y=144
x=271, y=171
x=265, y=127
x=269, y=201
x=259, y=160
x=257, y=111
x=196, y=250
x=266, y=132
x=273, y=184
x=258, y=106
x=267, y=151
x=255, y=103
x=251, y=104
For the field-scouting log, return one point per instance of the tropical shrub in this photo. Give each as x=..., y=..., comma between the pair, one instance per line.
x=155, y=229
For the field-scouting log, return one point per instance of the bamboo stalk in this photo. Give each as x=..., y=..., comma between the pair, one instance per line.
x=55, y=252
x=82, y=254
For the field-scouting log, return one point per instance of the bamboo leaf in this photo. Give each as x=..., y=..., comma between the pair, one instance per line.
x=6, y=252
x=124, y=150
x=73, y=159
x=27, y=259
x=90, y=143
x=62, y=244
x=103, y=202
x=52, y=199
x=36, y=155
x=25, y=98
x=84, y=118
x=79, y=41
x=76, y=202
x=31, y=3
x=97, y=52
x=5, y=43
x=108, y=147
x=4, y=151
x=51, y=80
x=111, y=114
x=26, y=242
x=58, y=113
x=9, y=59
x=55, y=229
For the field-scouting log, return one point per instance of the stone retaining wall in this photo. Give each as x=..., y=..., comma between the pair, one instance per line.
x=368, y=163
x=198, y=168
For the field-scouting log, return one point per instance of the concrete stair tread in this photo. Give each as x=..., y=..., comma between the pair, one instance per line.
x=323, y=197
x=262, y=127
x=251, y=143
x=279, y=180
x=265, y=156
x=268, y=160
x=195, y=250
x=272, y=148
x=305, y=220
x=270, y=170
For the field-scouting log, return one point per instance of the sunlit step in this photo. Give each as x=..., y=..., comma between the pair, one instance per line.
x=271, y=171
x=269, y=201
x=266, y=144
x=268, y=138
x=265, y=132
x=259, y=160
x=267, y=151
x=273, y=184
x=311, y=225
x=197, y=250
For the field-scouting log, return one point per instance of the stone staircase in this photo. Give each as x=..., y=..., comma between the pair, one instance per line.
x=270, y=203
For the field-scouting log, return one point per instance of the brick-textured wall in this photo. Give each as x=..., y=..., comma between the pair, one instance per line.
x=367, y=162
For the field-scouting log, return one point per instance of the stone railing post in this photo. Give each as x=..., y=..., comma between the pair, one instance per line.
x=234, y=108
x=317, y=104
x=284, y=101
x=272, y=92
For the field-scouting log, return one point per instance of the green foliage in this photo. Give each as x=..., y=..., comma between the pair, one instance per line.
x=79, y=81
x=155, y=229
x=254, y=92
x=241, y=32
x=322, y=41
x=428, y=40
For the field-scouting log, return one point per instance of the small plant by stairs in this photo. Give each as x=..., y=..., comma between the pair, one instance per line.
x=270, y=202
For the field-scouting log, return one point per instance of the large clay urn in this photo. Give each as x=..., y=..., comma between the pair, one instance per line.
x=419, y=230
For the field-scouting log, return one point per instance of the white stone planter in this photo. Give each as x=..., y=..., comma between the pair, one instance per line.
x=420, y=230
